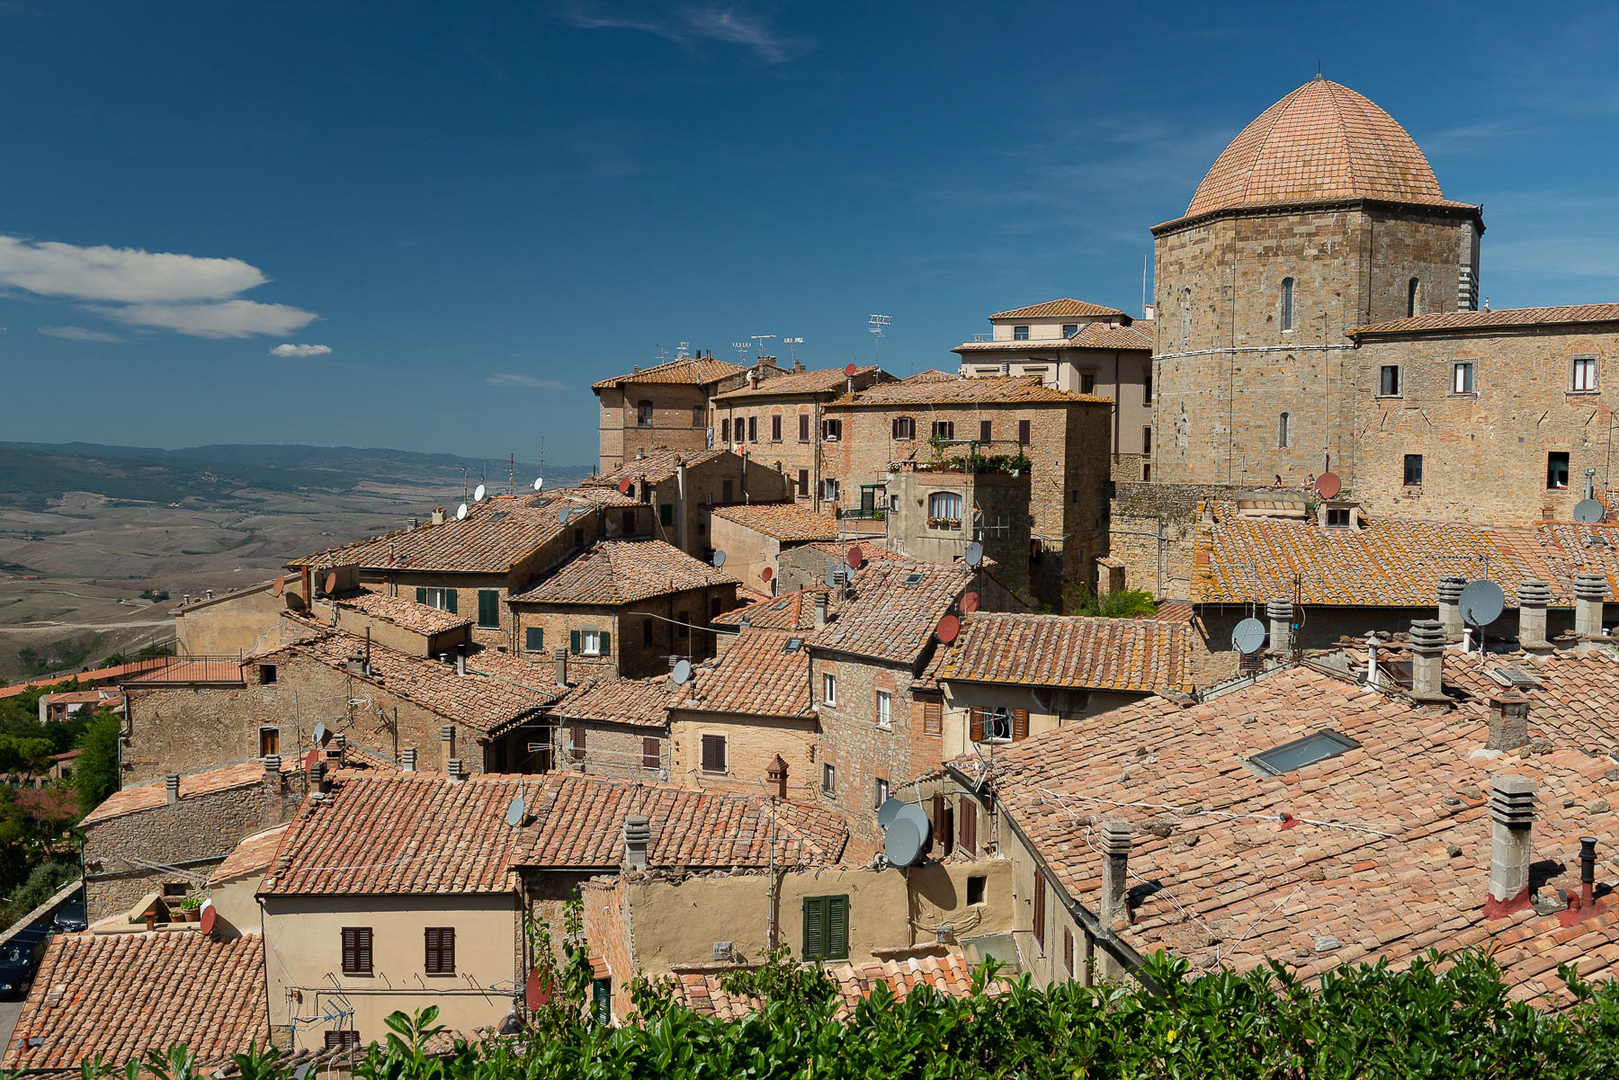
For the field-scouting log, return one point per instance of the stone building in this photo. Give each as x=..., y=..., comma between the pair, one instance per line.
x=611, y=727
x=936, y=511
x=683, y=486
x=754, y=535
x=1085, y=348
x=665, y=406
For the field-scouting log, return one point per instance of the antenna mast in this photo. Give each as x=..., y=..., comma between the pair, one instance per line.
x=761, y=339
x=792, y=353
x=876, y=324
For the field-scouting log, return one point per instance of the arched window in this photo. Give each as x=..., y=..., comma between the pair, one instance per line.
x=1284, y=431
x=1287, y=305
x=1413, y=297
x=944, y=510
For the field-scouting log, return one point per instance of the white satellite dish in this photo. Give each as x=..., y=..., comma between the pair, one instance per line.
x=563, y=515
x=907, y=835
x=514, y=812
x=975, y=553
x=1482, y=602
x=719, y=558
x=539, y=482
x=888, y=811
x=1248, y=636
x=681, y=675
x=461, y=512
x=321, y=734
x=478, y=493
x=1589, y=511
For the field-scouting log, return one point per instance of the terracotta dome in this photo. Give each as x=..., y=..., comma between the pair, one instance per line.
x=1321, y=142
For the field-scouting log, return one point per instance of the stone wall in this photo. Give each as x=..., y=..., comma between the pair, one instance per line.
x=676, y=410
x=751, y=745
x=1002, y=528
x=641, y=636
x=611, y=750
x=1144, y=512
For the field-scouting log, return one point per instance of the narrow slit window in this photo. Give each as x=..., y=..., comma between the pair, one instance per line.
x=1284, y=431
x=1287, y=303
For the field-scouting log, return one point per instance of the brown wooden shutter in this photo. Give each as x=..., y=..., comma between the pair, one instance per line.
x=1023, y=432
x=932, y=718
x=714, y=753
x=1040, y=910
x=1020, y=724
x=969, y=824
x=975, y=727
x=1068, y=950
x=943, y=827
x=985, y=431
x=440, y=958
x=357, y=950
x=651, y=753
x=803, y=427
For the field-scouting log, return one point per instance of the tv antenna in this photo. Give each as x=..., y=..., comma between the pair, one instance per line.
x=741, y=348
x=876, y=323
x=761, y=339
x=662, y=354
x=792, y=353
x=683, y=351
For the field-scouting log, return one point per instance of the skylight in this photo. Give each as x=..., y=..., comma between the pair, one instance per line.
x=1511, y=676
x=913, y=579
x=794, y=644
x=782, y=606
x=1301, y=752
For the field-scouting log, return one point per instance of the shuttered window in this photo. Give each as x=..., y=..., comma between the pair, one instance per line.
x=1020, y=724
x=1023, y=432
x=534, y=639
x=601, y=997
x=356, y=950
x=489, y=609
x=725, y=430
x=943, y=828
x=1040, y=910
x=968, y=812
x=932, y=718
x=421, y=598
x=986, y=431
x=975, y=724
x=775, y=428
x=576, y=743
x=651, y=753
x=826, y=928
x=714, y=753
x=803, y=427
x=449, y=601
x=440, y=950
x=1068, y=950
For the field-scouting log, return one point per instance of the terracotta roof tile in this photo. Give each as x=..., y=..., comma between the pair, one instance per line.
x=758, y=675
x=617, y=572
x=120, y=995
x=153, y=794
x=794, y=383
x=781, y=521
x=249, y=858
x=657, y=465
x=1055, y=309
x=789, y=611
x=408, y=614
x=931, y=375
x=1069, y=651
x=690, y=371
x=892, y=617
x=1499, y=318
x=991, y=390
x=950, y=974
x=638, y=702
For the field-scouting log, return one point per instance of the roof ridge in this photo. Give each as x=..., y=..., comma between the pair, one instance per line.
x=1343, y=129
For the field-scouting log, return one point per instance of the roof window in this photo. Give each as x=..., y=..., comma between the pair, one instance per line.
x=1301, y=752
x=913, y=579
x=794, y=644
x=1511, y=676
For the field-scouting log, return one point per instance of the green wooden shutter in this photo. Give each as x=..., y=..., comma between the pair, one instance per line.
x=534, y=638
x=837, y=927
x=607, y=643
x=814, y=924
x=421, y=596
x=449, y=601
x=573, y=642
x=488, y=608
x=603, y=993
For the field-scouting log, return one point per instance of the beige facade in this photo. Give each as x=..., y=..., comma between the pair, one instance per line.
x=933, y=514
x=751, y=745
x=237, y=623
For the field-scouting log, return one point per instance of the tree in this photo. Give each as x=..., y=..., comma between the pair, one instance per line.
x=24, y=757
x=96, y=775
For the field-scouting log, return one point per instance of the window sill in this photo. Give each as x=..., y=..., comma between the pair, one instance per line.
x=885, y=727
x=1464, y=393
x=1388, y=397
x=1582, y=393
x=993, y=742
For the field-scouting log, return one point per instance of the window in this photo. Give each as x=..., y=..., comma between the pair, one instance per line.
x=725, y=430
x=1040, y=910
x=1146, y=388
x=1070, y=329
x=1068, y=950
x=986, y=431
x=885, y=710
x=753, y=429
x=829, y=688
x=803, y=427
x=267, y=674
x=1461, y=377
x=1583, y=375
x=831, y=430
x=1301, y=752
x=1413, y=297
x=826, y=928
x=601, y=1000
x=489, y=609
x=666, y=514
x=1388, y=380
x=1020, y=333
x=975, y=888
x=829, y=779
x=967, y=814
x=879, y=793
x=725, y=491
x=1287, y=304
x=1024, y=433
x=1557, y=470
x=714, y=753
x=775, y=428
x=643, y=414
x=803, y=483
x=440, y=959
x=829, y=490
x=1186, y=315
x=944, y=510
x=1284, y=431
x=534, y=639
x=1146, y=442
x=346, y=1041
x=589, y=642
x=576, y=743
x=356, y=950
x=990, y=725
x=904, y=427
x=269, y=741
x=944, y=429
x=1413, y=470
x=646, y=631
x=932, y=718
x=1087, y=382
x=1338, y=517
x=651, y=753
x=443, y=599
x=699, y=416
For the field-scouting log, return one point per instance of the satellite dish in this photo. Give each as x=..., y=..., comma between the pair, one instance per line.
x=302, y=1072
x=975, y=553
x=1328, y=484
x=969, y=603
x=514, y=812
x=331, y=582
x=902, y=843
x=854, y=557
x=563, y=515
x=719, y=558
x=478, y=493
x=681, y=675
x=850, y=370
x=461, y=512
x=1482, y=602
x=766, y=574
x=322, y=735
x=535, y=991
x=207, y=916
x=539, y=482
x=624, y=486
x=948, y=628
x=280, y=585
x=1248, y=637
x=1587, y=512
x=310, y=760
x=888, y=811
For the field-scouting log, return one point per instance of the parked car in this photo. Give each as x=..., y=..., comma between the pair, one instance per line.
x=19, y=959
x=70, y=916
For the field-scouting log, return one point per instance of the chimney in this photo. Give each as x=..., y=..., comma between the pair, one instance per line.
x=460, y=662
x=318, y=778
x=1509, y=721
x=821, y=600
x=1374, y=677
x=1588, y=871
x=1280, y=613
x=272, y=767
x=1589, y=592
x=798, y=366
x=1533, y=596
x=209, y=593
x=438, y=515
x=457, y=770
x=562, y=666
x=1450, y=606
x=1427, y=660
x=776, y=775
x=1512, y=817
x=637, y=835
x=446, y=736
x=407, y=759
x=171, y=788
x=1115, y=872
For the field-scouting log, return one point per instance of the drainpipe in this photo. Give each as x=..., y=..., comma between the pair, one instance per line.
x=680, y=503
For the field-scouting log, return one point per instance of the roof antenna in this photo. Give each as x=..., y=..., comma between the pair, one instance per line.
x=876, y=324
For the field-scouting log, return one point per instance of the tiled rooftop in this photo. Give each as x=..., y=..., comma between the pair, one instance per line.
x=789, y=611
x=638, y=702
x=496, y=534
x=950, y=974
x=758, y=675
x=616, y=572
x=1056, y=309
x=691, y=371
x=1131, y=655
x=1393, y=563
x=497, y=691
x=659, y=465
x=98, y=675
x=992, y=390
x=1501, y=318
x=418, y=618
x=1321, y=142
x=1390, y=852
x=781, y=521
x=931, y=375
x=891, y=617
x=117, y=996
x=790, y=383
x=153, y=794
x=249, y=858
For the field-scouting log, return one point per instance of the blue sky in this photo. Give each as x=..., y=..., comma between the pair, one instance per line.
x=449, y=219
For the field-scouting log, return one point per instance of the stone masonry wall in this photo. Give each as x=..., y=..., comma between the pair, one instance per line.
x=751, y=744
x=674, y=410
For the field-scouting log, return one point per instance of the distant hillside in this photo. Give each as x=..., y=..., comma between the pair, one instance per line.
x=33, y=473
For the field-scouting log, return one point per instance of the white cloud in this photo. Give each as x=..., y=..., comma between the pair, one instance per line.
x=527, y=382
x=727, y=23
x=127, y=275
x=228, y=319
x=290, y=349
x=79, y=333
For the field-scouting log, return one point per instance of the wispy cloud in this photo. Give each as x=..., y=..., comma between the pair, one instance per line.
x=289, y=349
x=731, y=24
x=228, y=319
x=78, y=333
x=527, y=382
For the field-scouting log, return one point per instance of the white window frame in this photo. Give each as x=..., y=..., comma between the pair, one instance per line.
x=1463, y=377
x=879, y=793
x=590, y=643
x=936, y=499
x=831, y=490
x=1020, y=333
x=1583, y=375
x=438, y=598
x=829, y=778
x=885, y=710
x=829, y=688
x=943, y=429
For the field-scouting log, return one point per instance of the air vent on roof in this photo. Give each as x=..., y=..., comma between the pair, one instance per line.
x=1511, y=676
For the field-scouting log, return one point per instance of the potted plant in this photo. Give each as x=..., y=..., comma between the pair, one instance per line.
x=191, y=909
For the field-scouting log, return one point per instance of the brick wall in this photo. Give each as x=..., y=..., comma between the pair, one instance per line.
x=709, y=483
x=621, y=434
x=611, y=750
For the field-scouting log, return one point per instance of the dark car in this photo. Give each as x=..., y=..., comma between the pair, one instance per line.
x=70, y=916
x=19, y=958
